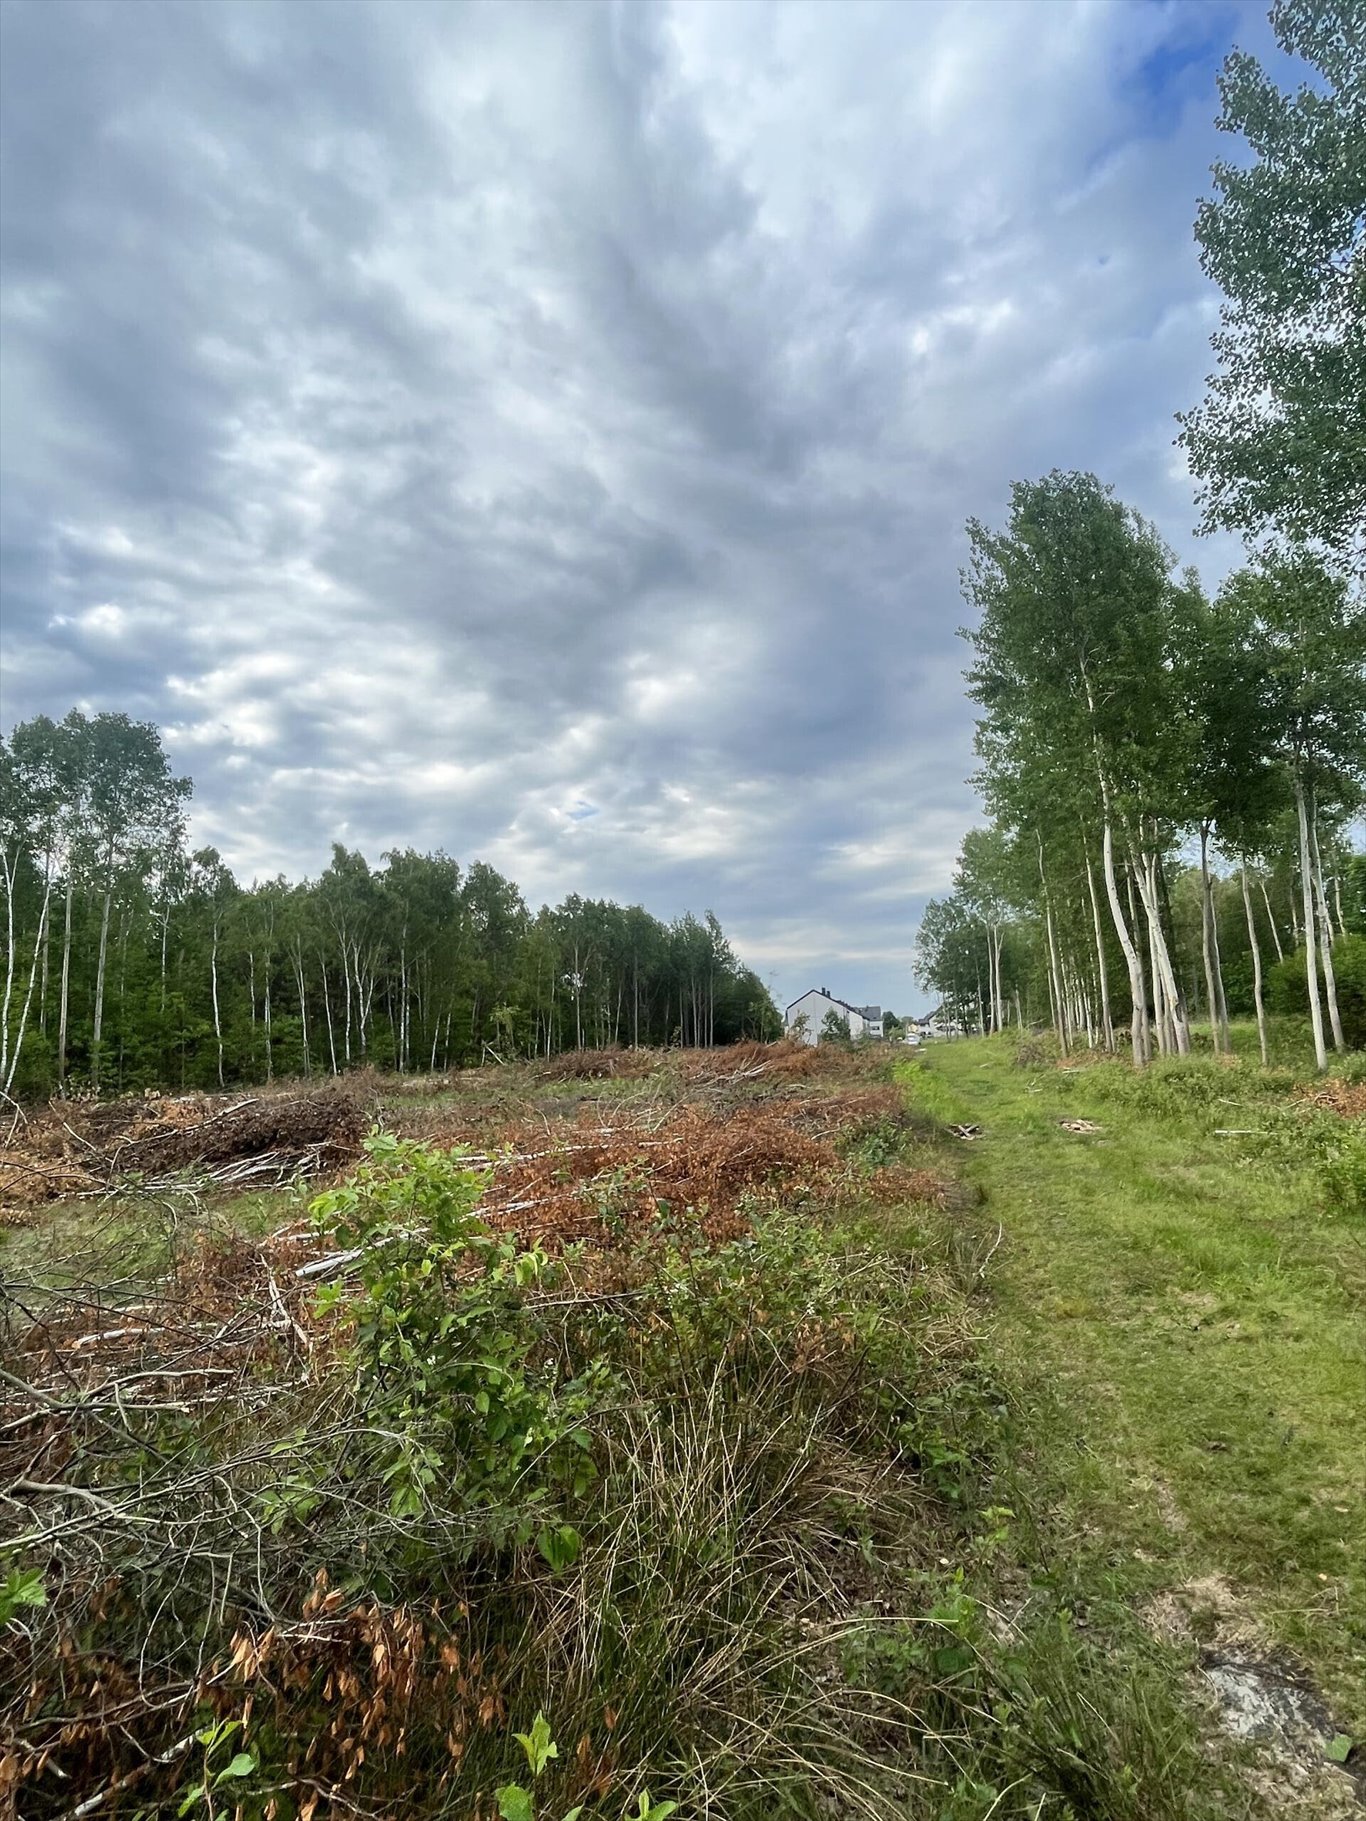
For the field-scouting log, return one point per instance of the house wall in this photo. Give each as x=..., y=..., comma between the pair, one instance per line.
x=817, y=1006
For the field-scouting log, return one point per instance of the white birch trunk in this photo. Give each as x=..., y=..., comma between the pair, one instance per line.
x=327, y=1009
x=9, y=1064
x=1054, y=974
x=1256, y=968
x=1209, y=951
x=1107, y=1027
x=302, y=983
x=1310, y=963
x=98, y=1033
x=1132, y=961
x=65, y=988
x=1275, y=933
x=217, y=1015
x=1330, y=984
x=1178, y=1030
x=8, y=872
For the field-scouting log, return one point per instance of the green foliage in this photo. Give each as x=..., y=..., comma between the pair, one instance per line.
x=446, y=1346
x=1280, y=439
x=517, y=1803
x=835, y=1028
x=1342, y=1173
x=217, y=1775
x=21, y=1588
x=1287, y=986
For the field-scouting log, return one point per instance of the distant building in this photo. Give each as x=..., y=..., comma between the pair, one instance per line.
x=815, y=1007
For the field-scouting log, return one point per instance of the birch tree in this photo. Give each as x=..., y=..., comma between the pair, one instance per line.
x=1077, y=604
x=1310, y=628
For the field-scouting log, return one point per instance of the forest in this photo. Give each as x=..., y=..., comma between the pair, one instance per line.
x=132, y=962
x=1172, y=781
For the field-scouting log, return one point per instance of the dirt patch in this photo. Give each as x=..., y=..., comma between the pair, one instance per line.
x=1259, y=1694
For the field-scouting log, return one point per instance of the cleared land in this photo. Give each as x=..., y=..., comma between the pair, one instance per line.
x=695, y=1399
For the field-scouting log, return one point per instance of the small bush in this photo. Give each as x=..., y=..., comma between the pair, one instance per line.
x=1342, y=1175
x=1287, y=988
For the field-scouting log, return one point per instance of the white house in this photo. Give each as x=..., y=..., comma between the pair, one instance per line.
x=815, y=1007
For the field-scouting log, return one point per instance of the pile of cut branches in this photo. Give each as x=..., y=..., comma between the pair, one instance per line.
x=158, y=1145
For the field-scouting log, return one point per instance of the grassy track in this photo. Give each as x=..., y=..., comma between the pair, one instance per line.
x=1192, y=1321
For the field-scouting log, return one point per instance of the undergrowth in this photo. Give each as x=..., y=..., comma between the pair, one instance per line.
x=1255, y=1109
x=733, y=1521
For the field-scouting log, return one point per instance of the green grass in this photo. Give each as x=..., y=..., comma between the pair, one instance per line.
x=1188, y=1308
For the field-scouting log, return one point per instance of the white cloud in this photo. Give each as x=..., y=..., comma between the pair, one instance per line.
x=547, y=432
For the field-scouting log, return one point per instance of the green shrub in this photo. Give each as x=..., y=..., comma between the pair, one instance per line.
x=1342, y=1175
x=447, y=1348
x=1287, y=986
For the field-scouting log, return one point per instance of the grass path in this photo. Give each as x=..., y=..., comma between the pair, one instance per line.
x=1200, y=1325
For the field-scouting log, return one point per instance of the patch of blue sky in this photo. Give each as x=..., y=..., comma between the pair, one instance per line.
x=1182, y=67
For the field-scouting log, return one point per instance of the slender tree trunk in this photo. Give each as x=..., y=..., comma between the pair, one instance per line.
x=1310, y=962
x=1054, y=977
x=98, y=1033
x=1162, y=962
x=1275, y=933
x=1132, y=959
x=1256, y=967
x=401, y=1039
x=12, y=1053
x=1330, y=984
x=47, y=956
x=1219, y=981
x=1102, y=976
x=327, y=1011
x=65, y=989
x=1209, y=949
x=8, y=871
x=346, y=982
x=302, y=982
x=1167, y=928
x=217, y=1016
x=1133, y=962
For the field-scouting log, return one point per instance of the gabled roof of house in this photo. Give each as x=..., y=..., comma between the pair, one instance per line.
x=863, y=1011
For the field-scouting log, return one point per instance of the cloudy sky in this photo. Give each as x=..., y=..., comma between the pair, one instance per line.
x=546, y=432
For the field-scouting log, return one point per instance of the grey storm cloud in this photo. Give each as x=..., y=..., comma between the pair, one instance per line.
x=547, y=432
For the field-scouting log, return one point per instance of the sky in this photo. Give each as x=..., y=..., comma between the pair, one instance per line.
x=546, y=433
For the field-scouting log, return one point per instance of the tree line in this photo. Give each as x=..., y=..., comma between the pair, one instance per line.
x=132, y=961
x=1135, y=734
